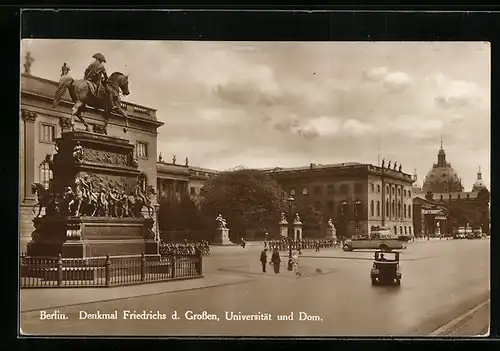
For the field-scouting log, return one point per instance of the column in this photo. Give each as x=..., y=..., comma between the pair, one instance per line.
x=29, y=118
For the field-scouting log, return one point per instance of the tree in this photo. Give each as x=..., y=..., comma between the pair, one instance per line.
x=179, y=215
x=309, y=216
x=246, y=198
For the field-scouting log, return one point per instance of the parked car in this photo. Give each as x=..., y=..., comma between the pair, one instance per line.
x=477, y=233
x=386, y=268
x=459, y=233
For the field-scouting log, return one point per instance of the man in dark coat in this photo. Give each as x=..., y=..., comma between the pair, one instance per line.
x=276, y=260
x=263, y=260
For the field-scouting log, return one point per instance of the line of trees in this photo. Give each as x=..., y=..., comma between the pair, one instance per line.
x=248, y=199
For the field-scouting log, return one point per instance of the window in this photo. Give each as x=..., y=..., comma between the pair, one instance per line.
x=292, y=191
x=399, y=192
x=378, y=188
x=409, y=193
x=304, y=191
x=142, y=149
x=400, y=230
x=372, y=209
x=393, y=209
x=404, y=210
x=387, y=208
x=393, y=190
x=343, y=208
x=192, y=191
x=387, y=189
x=47, y=133
x=409, y=211
x=409, y=230
x=399, y=209
x=404, y=194
x=405, y=231
x=358, y=210
x=378, y=208
x=344, y=188
x=330, y=189
x=317, y=190
x=45, y=174
x=372, y=186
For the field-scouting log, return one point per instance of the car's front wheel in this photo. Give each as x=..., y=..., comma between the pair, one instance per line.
x=347, y=248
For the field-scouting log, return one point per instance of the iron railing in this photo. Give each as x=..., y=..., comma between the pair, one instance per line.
x=36, y=272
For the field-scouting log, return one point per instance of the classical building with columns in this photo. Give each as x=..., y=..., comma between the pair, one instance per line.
x=441, y=204
x=355, y=196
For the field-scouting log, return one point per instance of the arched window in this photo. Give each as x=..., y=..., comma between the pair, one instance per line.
x=404, y=211
x=45, y=173
x=378, y=208
x=393, y=208
x=343, y=208
x=399, y=209
x=358, y=210
x=387, y=208
x=372, y=208
x=409, y=211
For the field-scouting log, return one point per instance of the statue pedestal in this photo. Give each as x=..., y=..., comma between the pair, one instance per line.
x=284, y=229
x=331, y=233
x=222, y=237
x=297, y=230
x=83, y=237
x=109, y=164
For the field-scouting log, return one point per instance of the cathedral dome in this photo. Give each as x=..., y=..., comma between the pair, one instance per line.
x=442, y=178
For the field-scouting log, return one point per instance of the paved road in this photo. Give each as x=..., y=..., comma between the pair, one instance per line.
x=441, y=281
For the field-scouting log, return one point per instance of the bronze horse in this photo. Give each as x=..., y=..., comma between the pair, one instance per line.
x=81, y=94
x=139, y=200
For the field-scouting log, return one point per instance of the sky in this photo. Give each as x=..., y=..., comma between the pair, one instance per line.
x=288, y=104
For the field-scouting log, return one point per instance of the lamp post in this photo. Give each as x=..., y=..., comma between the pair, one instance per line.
x=157, y=209
x=290, y=232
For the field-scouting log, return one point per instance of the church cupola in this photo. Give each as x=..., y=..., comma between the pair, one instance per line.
x=441, y=156
x=479, y=184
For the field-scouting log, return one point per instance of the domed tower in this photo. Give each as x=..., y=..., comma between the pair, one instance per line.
x=442, y=178
x=479, y=183
x=417, y=188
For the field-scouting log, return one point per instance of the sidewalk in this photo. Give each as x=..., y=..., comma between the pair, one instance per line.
x=48, y=298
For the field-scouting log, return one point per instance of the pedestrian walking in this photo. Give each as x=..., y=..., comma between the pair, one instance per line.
x=263, y=260
x=295, y=264
x=276, y=260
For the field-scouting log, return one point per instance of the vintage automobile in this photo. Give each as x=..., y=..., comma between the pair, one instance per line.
x=477, y=233
x=385, y=269
x=459, y=233
x=380, y=239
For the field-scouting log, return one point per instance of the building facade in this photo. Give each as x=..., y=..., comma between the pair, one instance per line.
x=355, y=196
x=441, y=204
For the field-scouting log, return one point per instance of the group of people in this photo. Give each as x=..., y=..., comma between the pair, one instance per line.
x=275, y=261
x=185, y=248
x=300, y=244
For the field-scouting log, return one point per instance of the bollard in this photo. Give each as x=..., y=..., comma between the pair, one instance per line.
x=59, y=270
x=107, y=271
x=143, y=267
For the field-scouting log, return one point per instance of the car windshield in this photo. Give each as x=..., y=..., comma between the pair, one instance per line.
x=386, y=256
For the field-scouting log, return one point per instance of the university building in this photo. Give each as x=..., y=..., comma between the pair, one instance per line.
x=355, y=196
x=41, y=124
x=441, y=204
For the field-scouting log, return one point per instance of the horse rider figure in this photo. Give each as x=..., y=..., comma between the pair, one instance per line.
x=96, y=73
x=87, y=187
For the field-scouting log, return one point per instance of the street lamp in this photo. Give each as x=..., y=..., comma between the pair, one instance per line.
x=290, y=232
x=157, y=209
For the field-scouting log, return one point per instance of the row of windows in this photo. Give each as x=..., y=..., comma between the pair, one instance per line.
x=392, y=210
x=345, y=188
x=48, y=135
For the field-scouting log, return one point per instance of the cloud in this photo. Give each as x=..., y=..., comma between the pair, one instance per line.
x=357, y=128
x=452, y=93
x=376, y=74
x=392, y=82
x=414, y=127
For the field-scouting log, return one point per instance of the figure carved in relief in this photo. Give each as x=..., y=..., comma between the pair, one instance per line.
x=113, y=201
x=102, y=203
x=84, y=196
x=69, y=200
x=78, y=152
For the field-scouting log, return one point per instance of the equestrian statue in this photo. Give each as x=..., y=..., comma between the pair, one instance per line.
x=96, y=89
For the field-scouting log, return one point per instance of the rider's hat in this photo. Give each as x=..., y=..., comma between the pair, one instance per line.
x=99, y=57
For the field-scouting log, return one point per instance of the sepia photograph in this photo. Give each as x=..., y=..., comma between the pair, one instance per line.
x=254, y=189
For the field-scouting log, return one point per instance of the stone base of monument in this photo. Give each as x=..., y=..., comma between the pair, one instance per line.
x=222, y=237
x=83, y=237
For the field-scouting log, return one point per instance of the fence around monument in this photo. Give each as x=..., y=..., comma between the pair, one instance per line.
x=107, y=271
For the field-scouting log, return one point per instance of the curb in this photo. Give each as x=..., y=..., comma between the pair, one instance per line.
x=136, y=296
x=448, y=327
